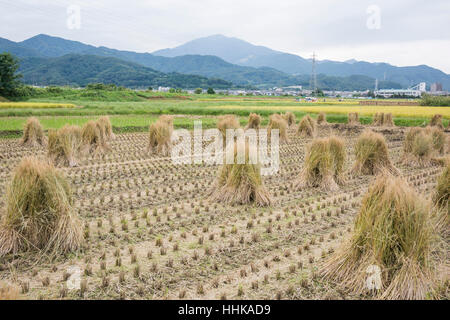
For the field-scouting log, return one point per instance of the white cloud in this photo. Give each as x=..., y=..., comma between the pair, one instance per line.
x=412, y=31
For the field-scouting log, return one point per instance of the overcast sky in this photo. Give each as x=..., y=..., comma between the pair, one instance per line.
x=400, y=32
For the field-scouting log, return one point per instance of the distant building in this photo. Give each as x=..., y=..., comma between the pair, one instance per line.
x=435, y=87
x=415, y=91
x=294, y=87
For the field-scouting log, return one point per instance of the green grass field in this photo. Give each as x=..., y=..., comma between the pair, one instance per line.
x=134, y=111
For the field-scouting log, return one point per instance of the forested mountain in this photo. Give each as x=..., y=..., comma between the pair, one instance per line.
x=80, y=70
x=253, y=68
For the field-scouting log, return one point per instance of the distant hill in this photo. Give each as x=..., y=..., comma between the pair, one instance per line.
x=240, y=52
x=48, y=46
x=80, y=70
x=207, y=66
x=213, y=66
x=246, y=54
x=17, y=49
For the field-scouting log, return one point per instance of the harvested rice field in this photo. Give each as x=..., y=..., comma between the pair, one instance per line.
x=151, y=230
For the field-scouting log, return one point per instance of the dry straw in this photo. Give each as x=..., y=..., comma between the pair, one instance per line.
x=306, y=127
x=93, y=138
x=393, y=232
x=106, y=127
x=436, y=121
x=33, y=134
x=423, y=145
x=448, y=145
x=353, y=118
x=167, y=119
x=241, y=183
x=442, y=194
x=276, y=121
x=64, y=145
x=254, y=121
x=226, y=122
x=322, y=118
x=8, y=292
x=160, y=134
x=438, y=137
x=383, y=120
x=290, y=118
x=324, y=164
x=388, y=120
x=39, y=214
x=377, y=119
x=372, y=155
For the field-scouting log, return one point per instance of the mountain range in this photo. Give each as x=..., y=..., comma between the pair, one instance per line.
x=80, y=70
x=215, y=57
x=242, y=53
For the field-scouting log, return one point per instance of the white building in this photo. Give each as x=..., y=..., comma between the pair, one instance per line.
x=415, y=91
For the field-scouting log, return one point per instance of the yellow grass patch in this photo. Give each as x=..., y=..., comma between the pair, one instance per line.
x=38, y=105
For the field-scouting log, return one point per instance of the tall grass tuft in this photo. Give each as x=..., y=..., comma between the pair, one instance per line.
x=324, y=165
x=372, y=154
x=393, y=232
x=39, y=214
x=241, y=183
x=33, y=134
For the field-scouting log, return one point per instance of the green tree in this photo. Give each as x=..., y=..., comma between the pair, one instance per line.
x=150, y=89
x=318, y=93
x=9, y=79
x=211, y=91
x=198, y=91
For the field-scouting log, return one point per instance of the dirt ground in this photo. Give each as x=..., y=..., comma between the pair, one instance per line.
x=152, y=233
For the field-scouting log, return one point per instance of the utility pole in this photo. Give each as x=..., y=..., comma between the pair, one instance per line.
x=313, y=81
